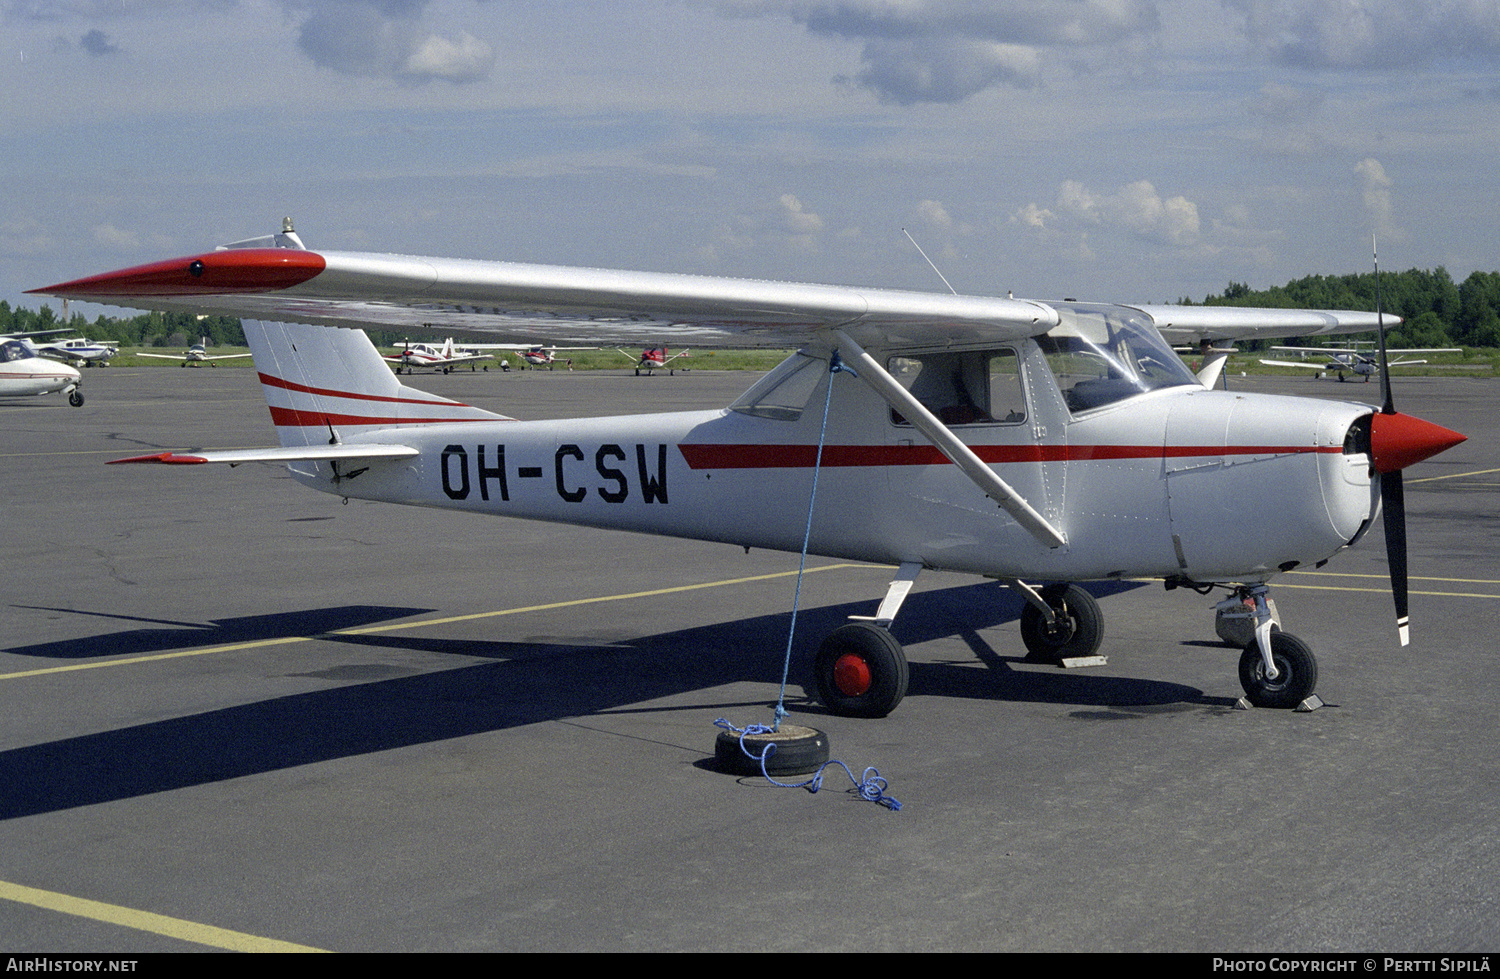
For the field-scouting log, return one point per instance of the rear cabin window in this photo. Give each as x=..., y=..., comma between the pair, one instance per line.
x=963, y=387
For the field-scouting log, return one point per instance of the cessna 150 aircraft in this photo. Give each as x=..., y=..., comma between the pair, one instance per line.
x=1022, y=441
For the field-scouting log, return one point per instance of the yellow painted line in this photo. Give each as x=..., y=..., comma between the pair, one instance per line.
x=1351, y=574
x=417, y=624
x=1386, y=591
x=1430, y=479
x=156, y=924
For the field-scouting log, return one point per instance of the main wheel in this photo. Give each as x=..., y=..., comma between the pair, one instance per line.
x=1296, y=672
x=1078, y=630
x=861, y=671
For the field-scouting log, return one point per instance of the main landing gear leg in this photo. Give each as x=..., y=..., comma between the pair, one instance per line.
x=1277, y=669
x=1060, y=622
x=861, y=669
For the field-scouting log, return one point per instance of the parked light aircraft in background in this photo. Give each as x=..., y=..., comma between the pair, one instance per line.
x=1362, y=363
x=80, y=351
x=544, y=356
x=1101, y=455
x=24, y=372
x=654, y=358
x=197, y=354
x=443, y=358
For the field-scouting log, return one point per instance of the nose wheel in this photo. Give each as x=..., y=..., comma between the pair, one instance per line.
x=1296, y=672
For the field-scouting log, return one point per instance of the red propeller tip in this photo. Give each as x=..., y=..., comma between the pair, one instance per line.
x=1398, y=441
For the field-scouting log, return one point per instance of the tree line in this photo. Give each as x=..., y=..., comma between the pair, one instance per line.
x=145, y=330
x=1435, y=311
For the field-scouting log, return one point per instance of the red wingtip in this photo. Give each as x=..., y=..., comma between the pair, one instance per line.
x=232, y=270
x=1398, y=441
x=168, y=458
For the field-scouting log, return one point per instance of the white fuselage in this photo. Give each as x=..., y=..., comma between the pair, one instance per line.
x=1160, y=484
x=23, y=373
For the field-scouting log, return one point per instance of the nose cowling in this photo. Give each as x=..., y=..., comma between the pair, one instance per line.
x=1398, y=441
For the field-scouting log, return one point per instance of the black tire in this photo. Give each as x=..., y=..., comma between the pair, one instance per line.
x=1297, y=672
x=861, y=671
x=76, y=399
x=1079, y=630
x=799, y=751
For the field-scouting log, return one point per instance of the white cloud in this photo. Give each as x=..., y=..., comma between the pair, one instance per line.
x=946, y=51
x=794, y=220
x=1136, y=208
x=465, y=59
x=1375, y=194
x=1371, y=33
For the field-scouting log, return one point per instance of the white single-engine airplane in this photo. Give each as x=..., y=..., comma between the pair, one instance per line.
x=1022, y=441
x=80, y=351
x=23, y=372
x=197, y=354
x=443, y=358
x=545, y=356
x=1361, y=363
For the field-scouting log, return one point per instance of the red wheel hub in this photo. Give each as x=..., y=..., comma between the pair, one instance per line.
x=851, y=674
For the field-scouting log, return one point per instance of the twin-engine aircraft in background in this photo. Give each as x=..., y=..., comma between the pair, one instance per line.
x=197, y=354
x=23, y=372
x=1023, y=441
x=1362, y=363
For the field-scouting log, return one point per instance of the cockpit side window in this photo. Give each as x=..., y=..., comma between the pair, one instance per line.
x=785, y=391
x=963, y=387
x=12, y=350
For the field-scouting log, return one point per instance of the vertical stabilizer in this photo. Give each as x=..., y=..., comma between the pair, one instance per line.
x=325, y=383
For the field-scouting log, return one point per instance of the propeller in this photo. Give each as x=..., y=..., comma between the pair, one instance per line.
x=1398, y=441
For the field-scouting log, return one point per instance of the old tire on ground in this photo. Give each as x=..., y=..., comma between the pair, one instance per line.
x=799, y=751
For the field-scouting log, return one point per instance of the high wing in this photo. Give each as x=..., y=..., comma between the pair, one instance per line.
x=1194, y=324
x=276, y=277
x=191, y=356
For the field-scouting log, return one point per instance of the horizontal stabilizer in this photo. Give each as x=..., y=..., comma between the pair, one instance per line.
x=293, y=453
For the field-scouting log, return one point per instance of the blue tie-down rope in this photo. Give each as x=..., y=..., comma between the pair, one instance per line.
x=871, y=787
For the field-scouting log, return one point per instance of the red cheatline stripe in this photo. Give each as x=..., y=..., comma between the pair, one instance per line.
x=270, y=380
x=708, y=456
x=292, y=417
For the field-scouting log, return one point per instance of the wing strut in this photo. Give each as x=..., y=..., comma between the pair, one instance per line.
x=950, y=445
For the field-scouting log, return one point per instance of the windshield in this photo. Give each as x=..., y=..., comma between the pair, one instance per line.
x=1104, y=354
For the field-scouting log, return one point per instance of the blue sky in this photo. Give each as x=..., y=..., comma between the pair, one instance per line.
x=1127, y=150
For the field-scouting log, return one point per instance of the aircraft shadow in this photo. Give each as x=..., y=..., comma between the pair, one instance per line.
x=188, y=635
x=523, y=683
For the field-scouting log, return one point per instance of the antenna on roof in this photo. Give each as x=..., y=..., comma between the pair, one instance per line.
x=940, y=275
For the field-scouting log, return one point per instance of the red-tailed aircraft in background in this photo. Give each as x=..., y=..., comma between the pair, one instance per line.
x=1029, y=442
x=654, y=359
